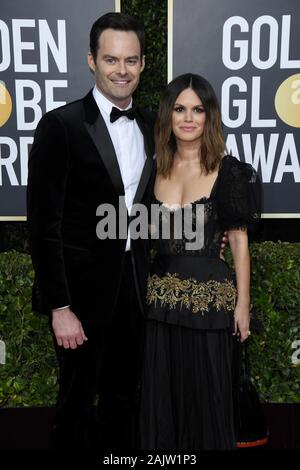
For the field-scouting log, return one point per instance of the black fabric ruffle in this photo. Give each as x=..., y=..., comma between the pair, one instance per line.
x=238, y=195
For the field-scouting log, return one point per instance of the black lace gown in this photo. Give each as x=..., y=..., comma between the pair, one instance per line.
x=186, y=394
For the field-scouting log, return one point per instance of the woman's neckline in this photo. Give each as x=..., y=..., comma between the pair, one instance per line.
x=198, y=200
x=178, y=206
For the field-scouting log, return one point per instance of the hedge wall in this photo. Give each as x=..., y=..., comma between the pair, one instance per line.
x=29, y=376
x=154, y=77
x=276, y=299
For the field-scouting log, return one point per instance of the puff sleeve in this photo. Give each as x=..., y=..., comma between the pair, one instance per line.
x=239, y=195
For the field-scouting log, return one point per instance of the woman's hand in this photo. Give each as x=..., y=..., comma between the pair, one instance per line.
x=242, y=321
x=224, y=243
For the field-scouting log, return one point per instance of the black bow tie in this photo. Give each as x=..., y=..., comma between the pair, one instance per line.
x=116, y=113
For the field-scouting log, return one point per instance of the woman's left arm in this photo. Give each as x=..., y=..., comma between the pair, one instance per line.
x=238, y=240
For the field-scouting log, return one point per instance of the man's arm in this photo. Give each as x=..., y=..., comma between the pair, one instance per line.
x=47, y=175
x=48, y=168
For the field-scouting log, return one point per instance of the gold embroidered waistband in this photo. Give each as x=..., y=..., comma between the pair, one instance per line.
x=197, y=296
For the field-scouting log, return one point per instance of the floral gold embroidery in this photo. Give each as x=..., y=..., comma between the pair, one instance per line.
x=174, y=292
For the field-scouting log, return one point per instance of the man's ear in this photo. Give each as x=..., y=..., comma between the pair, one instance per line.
x=91, y=62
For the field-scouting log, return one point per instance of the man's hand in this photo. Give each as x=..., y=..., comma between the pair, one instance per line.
x=224, y=243
x=67, y=328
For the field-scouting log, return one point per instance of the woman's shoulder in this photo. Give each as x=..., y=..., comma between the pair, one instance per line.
x=230, y=161
x=239, y=194
x=231, y=167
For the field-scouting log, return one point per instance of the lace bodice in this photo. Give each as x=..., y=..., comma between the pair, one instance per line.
x=234, y=203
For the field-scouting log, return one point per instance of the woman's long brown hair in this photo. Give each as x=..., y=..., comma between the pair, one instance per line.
x=212, y=146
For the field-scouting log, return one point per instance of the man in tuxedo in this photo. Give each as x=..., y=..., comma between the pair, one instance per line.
x=91, y=152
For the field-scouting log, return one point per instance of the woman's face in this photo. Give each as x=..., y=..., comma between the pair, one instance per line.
x=188, y=117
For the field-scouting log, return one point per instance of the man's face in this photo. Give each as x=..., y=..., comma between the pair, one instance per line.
x=118, y=65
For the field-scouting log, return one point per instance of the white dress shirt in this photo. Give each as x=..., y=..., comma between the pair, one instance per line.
x=128, y=142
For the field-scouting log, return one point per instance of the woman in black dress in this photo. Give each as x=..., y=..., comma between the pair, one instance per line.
x=195, y=305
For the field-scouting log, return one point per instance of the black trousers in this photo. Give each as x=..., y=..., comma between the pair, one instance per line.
x=105, y=372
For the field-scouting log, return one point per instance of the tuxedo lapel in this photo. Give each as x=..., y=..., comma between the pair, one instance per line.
x=98, y=132
x=144, y=180
x=147, y=132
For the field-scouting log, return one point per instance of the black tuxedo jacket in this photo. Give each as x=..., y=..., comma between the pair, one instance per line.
x=73, y=169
